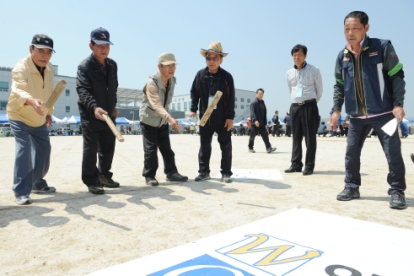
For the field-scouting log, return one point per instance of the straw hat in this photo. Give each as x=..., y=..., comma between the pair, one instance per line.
x=214, y=47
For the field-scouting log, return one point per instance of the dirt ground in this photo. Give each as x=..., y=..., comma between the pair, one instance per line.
x=74, y=232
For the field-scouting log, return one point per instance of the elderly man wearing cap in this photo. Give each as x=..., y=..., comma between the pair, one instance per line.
x=206, y=83
x=154, y=118
x=32, y=85
x=96, y=84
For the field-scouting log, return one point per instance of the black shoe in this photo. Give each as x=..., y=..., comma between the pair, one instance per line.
x=203, y=176
x=151, y=181
x=307, y=172
x=397, y=201
x=269, y=150
x=108, y=182
x=96, y=189
x=348, y=194
x=293, y=169
x=412, y=157
x=176, y=177
x=226, y=178
x=45, y=190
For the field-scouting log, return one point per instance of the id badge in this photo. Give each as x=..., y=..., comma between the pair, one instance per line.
x=210, y=99
x=298, y=92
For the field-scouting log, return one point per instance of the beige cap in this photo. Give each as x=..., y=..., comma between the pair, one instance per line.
x=166, y=59
x=214, y=47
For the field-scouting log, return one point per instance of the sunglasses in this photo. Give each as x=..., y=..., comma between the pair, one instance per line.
x=212, y=58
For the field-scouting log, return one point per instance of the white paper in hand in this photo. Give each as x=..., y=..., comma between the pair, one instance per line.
x=390, y=127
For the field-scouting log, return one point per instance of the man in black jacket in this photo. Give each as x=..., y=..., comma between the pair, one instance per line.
x=97, y=83
x=258, y=116
x=206, y=83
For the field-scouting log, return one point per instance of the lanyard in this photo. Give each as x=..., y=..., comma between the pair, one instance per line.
x=208, y=83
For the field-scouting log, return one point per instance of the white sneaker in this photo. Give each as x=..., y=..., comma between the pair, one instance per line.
x=23, y=200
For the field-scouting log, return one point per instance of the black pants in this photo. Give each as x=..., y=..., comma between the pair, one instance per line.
x=304, y=122
x=357, y=133
x=275, y=130
x=263, y=133
x=288, y=131
x=224, y=139
x=97, y=139
x=157, y=138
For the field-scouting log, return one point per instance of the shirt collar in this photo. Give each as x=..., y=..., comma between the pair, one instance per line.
x=361, y=46
x=303, y=66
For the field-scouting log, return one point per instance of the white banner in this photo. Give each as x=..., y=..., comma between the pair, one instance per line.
x=296, y=242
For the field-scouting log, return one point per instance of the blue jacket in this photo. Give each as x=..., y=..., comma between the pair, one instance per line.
x=371, y=83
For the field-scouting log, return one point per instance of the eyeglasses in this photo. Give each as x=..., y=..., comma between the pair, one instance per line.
x=44, y=52
x=212, y=58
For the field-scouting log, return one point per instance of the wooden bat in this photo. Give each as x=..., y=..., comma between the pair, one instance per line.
x=113, y=128
x=210, y=108
x=56, y=93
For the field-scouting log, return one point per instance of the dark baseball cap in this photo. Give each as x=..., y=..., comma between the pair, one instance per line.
x=100, y=36
x=42, y=41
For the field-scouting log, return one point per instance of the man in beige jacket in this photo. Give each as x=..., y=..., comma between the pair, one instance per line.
x=32, y=85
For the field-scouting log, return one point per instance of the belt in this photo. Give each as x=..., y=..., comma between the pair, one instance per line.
x=305, y=102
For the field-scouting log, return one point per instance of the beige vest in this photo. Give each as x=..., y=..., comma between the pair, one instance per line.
x=147, y=114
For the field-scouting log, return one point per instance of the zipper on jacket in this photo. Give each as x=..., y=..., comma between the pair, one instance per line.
x=360, y=92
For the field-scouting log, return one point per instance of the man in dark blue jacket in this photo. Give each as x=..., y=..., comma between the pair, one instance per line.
x=370, y=79
x=258, y=117
x=96, y=84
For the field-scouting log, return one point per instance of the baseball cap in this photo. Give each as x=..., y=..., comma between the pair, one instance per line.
x=166, y=59
x=42, y=41
x=100, y=36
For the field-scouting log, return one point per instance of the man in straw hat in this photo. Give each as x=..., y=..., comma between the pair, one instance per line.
x=206, y=83
x=154, y=117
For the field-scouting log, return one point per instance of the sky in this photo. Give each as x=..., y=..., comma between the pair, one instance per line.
x=258, y=35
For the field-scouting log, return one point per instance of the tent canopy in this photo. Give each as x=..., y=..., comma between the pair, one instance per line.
x=122, y=121
x=3, y=118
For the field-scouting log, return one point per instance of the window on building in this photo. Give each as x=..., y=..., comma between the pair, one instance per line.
x=3, y=105
x=242, y=99
x=235, y=106
x=248, y=100
x=67, y=109
x=4, y=86
x=67, y=92
x=235, y=99
x=185, y=106
x=242, y=106
x=179, y=106
x=173, y=106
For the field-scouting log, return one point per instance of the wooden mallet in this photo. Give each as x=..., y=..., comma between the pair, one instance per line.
x=115, y=131
x=56, y=93
x=210, y=108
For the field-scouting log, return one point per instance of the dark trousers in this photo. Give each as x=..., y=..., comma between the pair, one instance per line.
x=288, y=130
x=263, y=133
x=224, y=139
x=98, y=139
x=304, y=122
x=275, y=130
x=155, y=138
x=357, y=133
